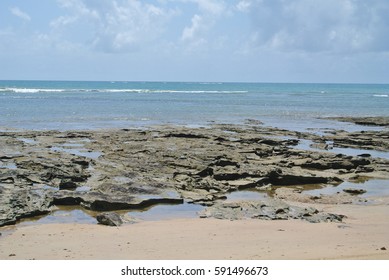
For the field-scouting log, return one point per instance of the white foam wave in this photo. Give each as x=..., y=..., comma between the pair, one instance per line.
x=168, y=91
x=381, y=95
x=44, y=90
x=30, y=90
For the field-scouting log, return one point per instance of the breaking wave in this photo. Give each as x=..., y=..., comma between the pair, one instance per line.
x=45, y=90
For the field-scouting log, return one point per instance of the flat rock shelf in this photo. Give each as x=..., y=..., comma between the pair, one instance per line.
x=127, y=169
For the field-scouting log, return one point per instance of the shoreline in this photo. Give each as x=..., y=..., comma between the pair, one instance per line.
x=118, y=170
x=363, y=235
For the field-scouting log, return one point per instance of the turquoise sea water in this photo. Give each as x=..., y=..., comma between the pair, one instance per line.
x=89, y=105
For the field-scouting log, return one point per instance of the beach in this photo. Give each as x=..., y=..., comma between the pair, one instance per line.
x=194, y=130
x=232, y=192
x=363, y=235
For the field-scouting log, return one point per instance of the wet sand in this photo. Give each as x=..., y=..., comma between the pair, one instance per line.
x=363, y=235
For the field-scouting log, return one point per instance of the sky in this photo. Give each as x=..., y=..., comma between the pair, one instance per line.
x=332, y=41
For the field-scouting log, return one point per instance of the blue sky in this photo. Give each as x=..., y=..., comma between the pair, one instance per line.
x=196, y=40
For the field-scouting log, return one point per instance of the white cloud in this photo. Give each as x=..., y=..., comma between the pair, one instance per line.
x=16, y=11
x=320, y=26
x=215, y=7
x=63, y=21
x=243, y=6
x=114, y=26
x=209, y=12
x=191, y=32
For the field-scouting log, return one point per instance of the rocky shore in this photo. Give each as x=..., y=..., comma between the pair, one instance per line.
x=110, y=170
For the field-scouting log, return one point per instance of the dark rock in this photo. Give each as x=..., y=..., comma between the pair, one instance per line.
x=229, y=176
x=82, y=162
x=354, y=191
x=360, y=161
x=269, y=142
x=67, y=200
x=226, y=162
x=107, y=202
x=206, y=172
x=365, y=155
x=67, y=184
x=292, y=142
x=109, y=219
x=288, y=180
x=186, y=135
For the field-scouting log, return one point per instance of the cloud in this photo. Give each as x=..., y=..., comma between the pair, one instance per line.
x=123, y=26
x=113, y=26
x=209, y=12
x=243, y=6
x=20, y=14
x=319, y=26
x=215, y=7
x=197, y=25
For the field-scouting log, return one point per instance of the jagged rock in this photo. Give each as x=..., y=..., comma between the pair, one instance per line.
x=18, y=203
x=109, y=219
x=138, y=168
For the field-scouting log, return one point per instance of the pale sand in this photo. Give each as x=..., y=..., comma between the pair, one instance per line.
x=364, y=233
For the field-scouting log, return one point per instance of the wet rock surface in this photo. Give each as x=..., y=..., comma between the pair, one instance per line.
x=109, y=219
x=374, y=121
x=136, y=168
x=271, y=209
x=296, y=194
x=17, y=203
x=354, y=191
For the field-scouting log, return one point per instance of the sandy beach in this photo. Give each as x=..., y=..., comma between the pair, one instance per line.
x=363, y=235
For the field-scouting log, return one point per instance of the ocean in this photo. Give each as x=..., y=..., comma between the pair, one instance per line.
x=68, y=105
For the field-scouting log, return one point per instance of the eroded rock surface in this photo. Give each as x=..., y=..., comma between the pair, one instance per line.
x=374, y=121
x=133, y=168
x=270, y=209
x=109, y=219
